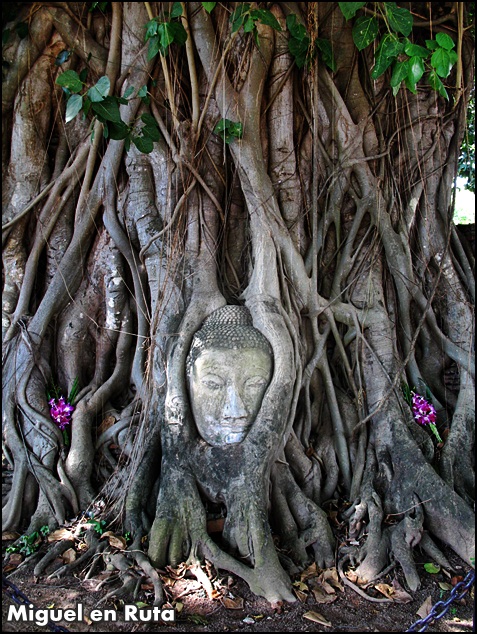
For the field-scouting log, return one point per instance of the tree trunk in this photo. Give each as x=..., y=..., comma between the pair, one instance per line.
x=325, y=221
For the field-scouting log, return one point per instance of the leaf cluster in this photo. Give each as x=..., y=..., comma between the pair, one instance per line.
x=247, y=17
x=161, y=34
x=28, y=544
x=407, y=61
x=228, y=130
x=105, y=108
x=301, y=47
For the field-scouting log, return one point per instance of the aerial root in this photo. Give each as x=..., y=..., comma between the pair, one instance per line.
x=94, y=546
x=130, y=588
x=55, y=551
x=144, y=563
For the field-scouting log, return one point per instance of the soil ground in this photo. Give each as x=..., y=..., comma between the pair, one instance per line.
x=234, y=608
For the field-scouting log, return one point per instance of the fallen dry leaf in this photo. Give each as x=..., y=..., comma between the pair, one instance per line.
x=352, y=576
x=59, y=534
x=425, y=608
x=116, y=541
x=8, y=535
x=443, y=585
x=400, y=595
x=322, y=596
x=232, y=603
x=386, y=589
x=311, y=571
x=330, y=575
x=316, y=617
x=15, y=559
x=69, y=556
x=300, y=595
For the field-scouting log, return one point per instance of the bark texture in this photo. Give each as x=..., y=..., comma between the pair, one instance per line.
x=330, y=219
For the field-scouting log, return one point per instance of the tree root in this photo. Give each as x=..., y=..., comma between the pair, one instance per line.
x=55, y=551
x=358, y=590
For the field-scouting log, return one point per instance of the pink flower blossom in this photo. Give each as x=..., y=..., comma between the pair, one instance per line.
x=424, y=412
x=60, y=412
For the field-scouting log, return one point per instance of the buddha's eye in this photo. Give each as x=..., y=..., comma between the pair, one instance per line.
x=212, y=382
x=255, y=382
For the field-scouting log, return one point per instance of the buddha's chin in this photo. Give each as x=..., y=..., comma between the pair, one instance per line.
x=227, y=437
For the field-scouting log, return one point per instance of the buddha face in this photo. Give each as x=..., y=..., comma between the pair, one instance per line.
x=226, y=389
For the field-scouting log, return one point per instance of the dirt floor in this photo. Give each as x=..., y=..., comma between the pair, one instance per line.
x=324, y=603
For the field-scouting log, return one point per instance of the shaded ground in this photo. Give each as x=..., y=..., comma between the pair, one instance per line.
x=233, y=608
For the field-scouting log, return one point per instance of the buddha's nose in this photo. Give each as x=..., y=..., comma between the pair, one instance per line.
x=234, y=406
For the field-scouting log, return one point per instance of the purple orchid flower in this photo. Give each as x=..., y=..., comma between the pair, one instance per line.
x=425, y=413
x=61, y=411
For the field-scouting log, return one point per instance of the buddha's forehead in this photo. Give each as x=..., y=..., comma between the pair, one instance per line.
x=228, y=329
x=226, y=361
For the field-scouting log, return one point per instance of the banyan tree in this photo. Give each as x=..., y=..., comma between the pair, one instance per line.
x=227, y=229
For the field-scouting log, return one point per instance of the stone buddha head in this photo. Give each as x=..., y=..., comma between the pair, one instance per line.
x=229, y=368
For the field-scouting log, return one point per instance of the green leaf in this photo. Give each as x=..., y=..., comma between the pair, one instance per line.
x=299, y=49
x=365, y=31
x=349, y=9
x=432, y=45
x=388, y=50
x=118, y=131
x=249, y=25
x=151, y=29
x=154, y=47
x=208, y=6
x=415, y=69
x=176, y=10
x=100, y=90
x=441, y=62
x=324, y=46
x=129, y=91
x=400, y=19
x=62, y=57
x=148, y=119
x=169, y=32
x=166, y=35
x=445, y=41
x=410, y=85
x=297, y=30
x=73, y=106
x=152, y=132
x=100, y=5
x=238, y=16
x=142, y=92
x=400, y=72
x=228, y=130
x=74, y=391
x=107, y=110
x=83, y=75
x=406, y=392
x=432, y=568
x=266, y=17
x=70, y=79
x=391, y=45
x=414, y=50
x=437, y=85
x=86, y=105
x=143, y=144
x=150, y=129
